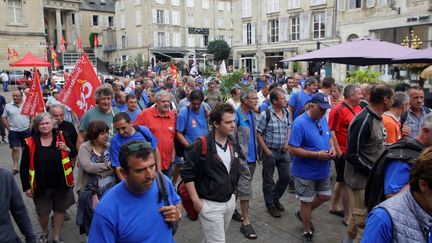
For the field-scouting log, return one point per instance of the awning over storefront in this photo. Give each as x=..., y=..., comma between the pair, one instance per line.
x=170, y=52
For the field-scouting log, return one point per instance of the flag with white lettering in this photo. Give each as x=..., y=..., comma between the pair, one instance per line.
x=34, y=102
x=79, y=90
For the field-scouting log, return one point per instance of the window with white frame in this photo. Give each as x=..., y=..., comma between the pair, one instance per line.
x=123, y=42
x=73, y=20
x=246, y=8
x=220, y=6
x=139, y=39
x=219, y=37
x=319, y=25
x=191, y=20
x=272, y=6
x=248, y=34
x=206, y=21
x=221, y=21
x=15, y=11
x=175, y=15
x=160, y=18
x=122, y=4
x=353, y=4
x=229, y=6
x=205, y=4
x=111, y=21
x=293, y=4
x=95, y=20
x=122, y=21
x=190, y=3
x=176, y=39
x=295, y=28
x=137, y=2
x=191, y=40
x=382, y=2
x=274, y=30
x=138, y=17
x=161, y=39
x=175, y=2
x=160, y=1
x=317, y=2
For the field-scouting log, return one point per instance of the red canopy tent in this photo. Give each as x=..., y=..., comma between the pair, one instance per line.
x=30, y=61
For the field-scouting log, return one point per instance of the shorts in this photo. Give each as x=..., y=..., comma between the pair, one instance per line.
x=340, y=168
x=57, y=200
x=306, y=189
x=244, y=184
x=16, y=139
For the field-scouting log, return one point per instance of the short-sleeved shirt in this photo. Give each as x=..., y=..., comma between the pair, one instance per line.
x=312, y=136
x=275, y=132
x=379, y=227
x=163, y=128
x=213, y=98
x=413, y=122
x=298, y=100
x=117, y=141
x=142, y=100
x=396, y=176
x=192, y=124
x=132, y=115
x=392, y=126
x=124, y=216
x=17, y=122
x=339, y=120
x=95, y=114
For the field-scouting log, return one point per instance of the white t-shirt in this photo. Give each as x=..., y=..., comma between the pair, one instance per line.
x=225, y=157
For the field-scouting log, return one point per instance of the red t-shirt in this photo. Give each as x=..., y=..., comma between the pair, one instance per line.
x=339, y=120
x=163, y=128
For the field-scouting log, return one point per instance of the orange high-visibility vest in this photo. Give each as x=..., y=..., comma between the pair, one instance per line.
x=67, y=165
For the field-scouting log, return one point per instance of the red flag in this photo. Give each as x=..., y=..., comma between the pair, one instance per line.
x=62, y=44
x=34, y=102
x=79, y=90
x=9, y=54
x=14, y=55
x=54, y=58
x=79, y=44
x=96, y=41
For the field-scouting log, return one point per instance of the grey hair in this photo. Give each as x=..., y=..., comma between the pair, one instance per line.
x=105, y=91
x=38, y=118
x=245, y=94
x=427, y=122
x=400, y=99
x=60, y=106
x=161, y=93
x=349, y=90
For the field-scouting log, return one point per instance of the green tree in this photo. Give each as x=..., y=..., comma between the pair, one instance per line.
x=363, y=76
x=220, y=49
x=139, y=60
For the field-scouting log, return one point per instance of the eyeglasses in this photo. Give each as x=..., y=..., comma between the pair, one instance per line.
x=138, y=146
x=253, y=98
x=319, y=128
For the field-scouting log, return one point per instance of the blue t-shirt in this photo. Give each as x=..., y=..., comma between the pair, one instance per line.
x=117, y=141
x=143, y=100
x=124, y=216
x=306, y=134
x=121, y=108
x=396, y=176
x=191, y=124
x=251, y=156
x=298, y=100
x=260, y=84
x=379, y=227
x=264, y=106
x=133, y=115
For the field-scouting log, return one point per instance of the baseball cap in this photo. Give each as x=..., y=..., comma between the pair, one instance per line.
x=321, y=100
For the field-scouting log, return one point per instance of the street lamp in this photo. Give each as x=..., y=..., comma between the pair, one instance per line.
x=204, y=55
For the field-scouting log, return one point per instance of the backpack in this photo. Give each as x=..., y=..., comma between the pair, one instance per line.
x=268, y=117
x=192, y=214
x=407, y=150
x=163, y=195
x=405, y=114
x=146, y=136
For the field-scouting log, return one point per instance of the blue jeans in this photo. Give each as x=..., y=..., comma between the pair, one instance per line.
x=272, y=192
x=5, y=86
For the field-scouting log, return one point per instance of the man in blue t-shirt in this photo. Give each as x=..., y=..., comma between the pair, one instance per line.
x=299, y=99
x=311, y=147
x=127, y=132
x=131, y=211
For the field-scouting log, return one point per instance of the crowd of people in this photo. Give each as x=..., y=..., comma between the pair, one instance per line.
x=148, y=134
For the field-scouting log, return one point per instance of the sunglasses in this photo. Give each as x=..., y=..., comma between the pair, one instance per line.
x=319, y=128
x=138, y=146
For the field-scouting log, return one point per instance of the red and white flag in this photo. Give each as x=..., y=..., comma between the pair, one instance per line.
x=79, y=90
x=34, y=102
x=79, y=44
x=62, y=44
x=96, y=41
x=9, y=54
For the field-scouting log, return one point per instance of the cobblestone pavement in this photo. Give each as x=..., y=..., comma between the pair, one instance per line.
x=285, y=229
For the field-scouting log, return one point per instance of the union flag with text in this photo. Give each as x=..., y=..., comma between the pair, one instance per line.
x=79, y=90
x=34, y=102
